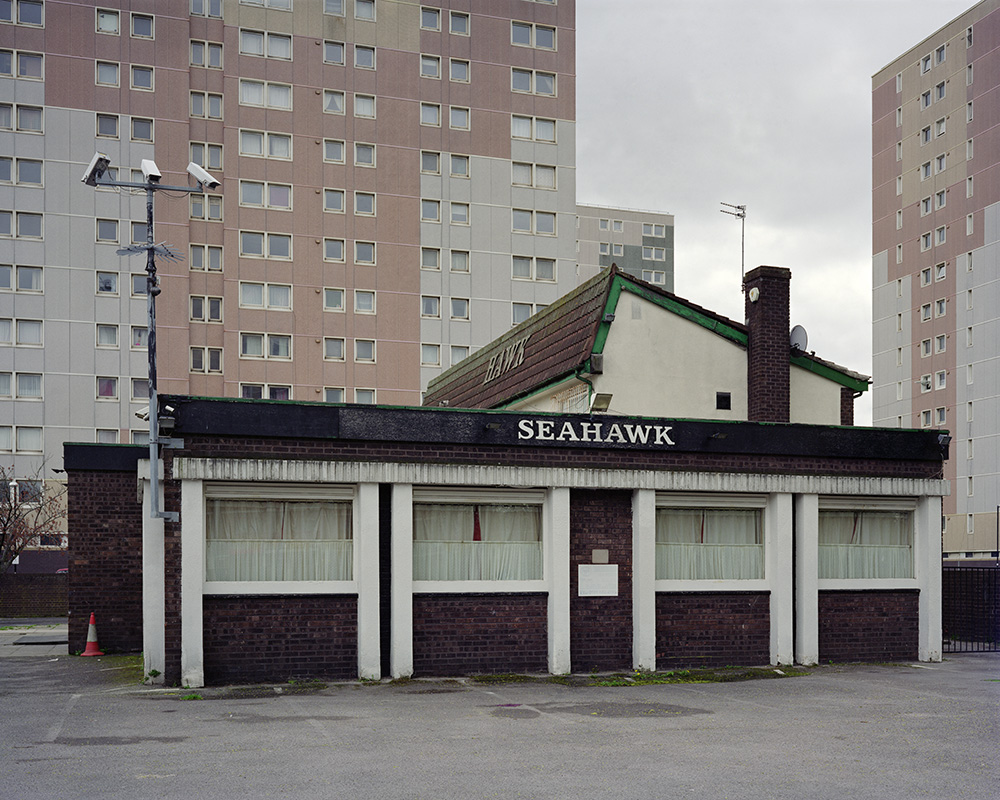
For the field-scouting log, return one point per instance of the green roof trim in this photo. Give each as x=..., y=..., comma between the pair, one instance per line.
x=828, y=372
x=620, y=284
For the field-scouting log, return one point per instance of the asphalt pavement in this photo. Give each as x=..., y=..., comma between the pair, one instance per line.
x=84, y=728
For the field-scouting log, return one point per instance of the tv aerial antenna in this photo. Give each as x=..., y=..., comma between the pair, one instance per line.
x=740, y=212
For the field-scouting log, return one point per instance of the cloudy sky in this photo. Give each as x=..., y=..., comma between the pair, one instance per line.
x=685, y=104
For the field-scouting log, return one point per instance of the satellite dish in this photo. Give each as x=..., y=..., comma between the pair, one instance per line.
x=799, y=339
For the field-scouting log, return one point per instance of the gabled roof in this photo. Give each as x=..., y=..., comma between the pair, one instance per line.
x=558, y=342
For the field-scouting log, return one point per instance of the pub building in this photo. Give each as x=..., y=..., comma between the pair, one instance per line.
x=624, y=481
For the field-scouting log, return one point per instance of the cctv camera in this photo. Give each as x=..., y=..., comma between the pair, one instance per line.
x=168, y=409
x=143, y=414
x=205, y=180
x=95, y=169
x=150, y=171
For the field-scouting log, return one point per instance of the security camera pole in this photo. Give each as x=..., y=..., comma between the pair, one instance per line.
x=97, y=175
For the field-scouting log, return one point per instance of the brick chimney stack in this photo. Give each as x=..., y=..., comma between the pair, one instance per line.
x=766, y=292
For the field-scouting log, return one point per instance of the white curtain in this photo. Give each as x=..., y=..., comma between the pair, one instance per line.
x=258, y=540
x=865, y=544
x=709, y=544
x=477, y=542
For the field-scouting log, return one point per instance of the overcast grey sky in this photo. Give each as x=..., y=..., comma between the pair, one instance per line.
x=684, y=104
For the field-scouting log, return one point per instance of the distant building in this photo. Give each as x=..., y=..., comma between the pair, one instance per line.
x=641, y=243
x=936, y=256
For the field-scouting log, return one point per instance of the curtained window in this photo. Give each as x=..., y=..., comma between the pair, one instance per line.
x=709, y=544
x=278, y=540
x=477, y=541
x=865, y=544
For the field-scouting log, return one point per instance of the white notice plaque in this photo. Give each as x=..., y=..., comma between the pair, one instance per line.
x=598, y=580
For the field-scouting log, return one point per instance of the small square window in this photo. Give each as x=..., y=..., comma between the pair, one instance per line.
x=458, y=353
x=459, y=261
x=430, y=306
x=459, y=23
x=107, y=21
x=459, y=118
x=333, y=299
x=364, y=57
x=107, y=73
x=723, y=401
x=430, y=258
x=333, y=52
x=364, y=350
x=333, y=150
x=430, y=66
x=430, y=114
x=142, y=129
x=364, y=301
x=107, y=230
x=333, y=249
x=364, y=155
x=430, y=355
x=430, y=19
x=459, y=70
x=364, y=9
x=142, y=78
x=430, y=210
x=459, y=308
x=430, y=162
x=142, y=26
x=364, y=106
x=107, y=125
x=333, y=349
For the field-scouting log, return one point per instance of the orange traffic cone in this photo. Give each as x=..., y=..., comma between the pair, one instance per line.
x=92, y=648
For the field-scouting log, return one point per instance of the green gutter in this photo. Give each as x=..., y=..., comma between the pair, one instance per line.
x=829, y=373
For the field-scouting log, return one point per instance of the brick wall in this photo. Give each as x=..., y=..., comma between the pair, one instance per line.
x=846, y=406
x=768, y=348
x=712, y=630
x=601, y=627
x=461, y=634
x=105, y=560
x=33, y=595
x=273, y=638
x=869, y=625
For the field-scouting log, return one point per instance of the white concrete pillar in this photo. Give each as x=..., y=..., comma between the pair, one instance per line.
x=366, y=573
x=154, y=654
x=806, y=579
x=555, y=538
x=927, y=571
x=192, y=583
x=644, y=579
x=401, y=646
x=778, y=572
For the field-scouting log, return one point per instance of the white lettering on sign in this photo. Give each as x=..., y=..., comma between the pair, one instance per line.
x=615, y=433
x=511, y=357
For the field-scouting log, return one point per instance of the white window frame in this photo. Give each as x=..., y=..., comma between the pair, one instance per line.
x=196, y=539
x=873, y=504
x=431, y=495
x=717, y=501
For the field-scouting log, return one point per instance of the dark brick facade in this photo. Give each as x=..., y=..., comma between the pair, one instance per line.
x=105, y=559
x=869, y=626
x=33, y=595
x=252, y=638
x=600, y=627
x=768, y=348
x=712, y=630
x=462, y=634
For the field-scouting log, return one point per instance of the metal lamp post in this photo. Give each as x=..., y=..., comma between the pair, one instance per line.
x=97, y=175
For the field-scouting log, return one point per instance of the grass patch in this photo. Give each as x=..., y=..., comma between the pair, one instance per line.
x=192, y=696
x=720, y=675
x=501, y=677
